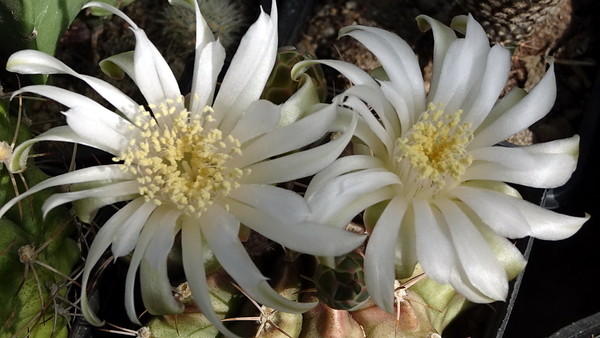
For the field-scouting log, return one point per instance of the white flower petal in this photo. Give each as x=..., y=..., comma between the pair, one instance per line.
x=434, y=248
x=568, y=145
x=443, y=36
x=556, y=158
x=341, y=166
x=495, y=210
x=261, y=117
x=406, y=117
x=549, y=225
x=463, y=66
x=477, y=259
x=551, y=170
x=208, y=61
x=460, y=282
x=36, y=62
x=303, y=163
x=193, y=264
x=221, y=231
x=492, y=83
x=514, y=158
x=379, y=263
x=291, y=137
x=88, y=118
x=376, y=99
x=505, y=250
x=398, y=60
x=88, y=124
x=128, y=234
x=249, y=70
x=353, y=73
x=370, y=139
x=18, y=161
x=204, y=35
x=521, y=115
x=101, y=242
x=307, y=237
x=283, y=205
x=154, y=280
x=341, y=191
x=300, y=104
x=504, y=104
x=91, y=108
x=156, y=289
x=98, y=173
x=163, y=239
x=153, y=76
x=406, y=250
x=146, y=235
x=207, y=66
x=86, y=208
x=117, y=65
x=374, y=125
x=360, y=203
x=111, y=9
x=109, y=190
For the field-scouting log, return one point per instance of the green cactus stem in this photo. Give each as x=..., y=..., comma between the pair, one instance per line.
x=268, y=322
x=35, y=252
x=192, y=323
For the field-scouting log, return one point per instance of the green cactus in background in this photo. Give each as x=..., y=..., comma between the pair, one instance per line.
x=280, y=85
x=35, y=253
x=342, y=287
x=34, y=24
x=225, y=299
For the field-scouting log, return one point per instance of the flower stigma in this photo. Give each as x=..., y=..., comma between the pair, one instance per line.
x=432, y=155
x=181, y=162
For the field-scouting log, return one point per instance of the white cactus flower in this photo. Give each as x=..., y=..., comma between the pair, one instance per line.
x=432, y=174
x=200, y=169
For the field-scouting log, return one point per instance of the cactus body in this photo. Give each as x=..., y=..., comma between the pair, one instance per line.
x=28, y=305
x=343, y=287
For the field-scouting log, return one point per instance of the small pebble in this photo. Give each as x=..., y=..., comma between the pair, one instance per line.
x=329, y=32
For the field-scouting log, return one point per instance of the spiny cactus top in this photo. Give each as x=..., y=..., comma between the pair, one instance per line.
x=432, y=163
x=200, y=168
x=509, y=21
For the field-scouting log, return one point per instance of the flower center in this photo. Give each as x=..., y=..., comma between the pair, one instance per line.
x=182, y=164
x=432, y=154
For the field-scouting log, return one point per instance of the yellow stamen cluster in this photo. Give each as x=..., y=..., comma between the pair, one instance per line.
x=433, y=153
x=180, y=162
x=5, y=152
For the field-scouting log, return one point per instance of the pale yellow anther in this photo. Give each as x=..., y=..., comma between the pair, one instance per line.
x=432, y=153
x=182, y=164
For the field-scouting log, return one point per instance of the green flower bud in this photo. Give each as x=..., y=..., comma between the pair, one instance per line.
x=280, y=85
